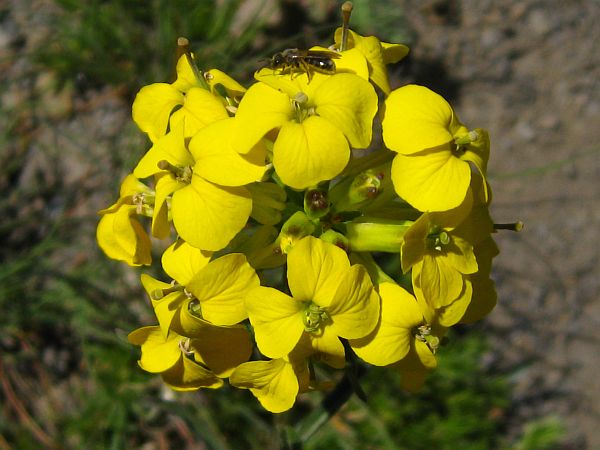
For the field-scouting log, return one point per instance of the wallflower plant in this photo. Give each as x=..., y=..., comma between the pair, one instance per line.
x=275, y=199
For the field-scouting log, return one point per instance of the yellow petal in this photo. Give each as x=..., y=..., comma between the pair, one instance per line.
x=328, y=347
x=181, y=261
x=152, y=107
x=188, y=375
x=315, y=269
x=158, y=353
x=391, y=339
x=392, y=53
x=354, y=309
x=219, y=163
x=431, y=181
x=186, y=78
x=307, y=153
x=166, y=184
x=416, y=119
x=200, y=108
x=453, y=313
x=426, y=357
x=439, y=283
x=377, y=54
x=353, y=61
x=166, y=307
x=261, y=110
x=170, y=147
x=160, y=221
x=208, y=216
x=123, y=238
x=350, y=104
x=221, y=287
x=277, y=321
x=413, y=246
x=460, y=255
x=215, y=77
x=222, y=349
x=273, y=383
x=370, y=47
x=131, y=186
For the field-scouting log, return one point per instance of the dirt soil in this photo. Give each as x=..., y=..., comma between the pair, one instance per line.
x=528, y=71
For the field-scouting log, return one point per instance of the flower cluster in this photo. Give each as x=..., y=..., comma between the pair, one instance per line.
x=278, y=202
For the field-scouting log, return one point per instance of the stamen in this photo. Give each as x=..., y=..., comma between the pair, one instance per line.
x=144, y=203
x=185, y=347
x=437, y=239
x=313, y=317
x=423, y=334
x=301, y=107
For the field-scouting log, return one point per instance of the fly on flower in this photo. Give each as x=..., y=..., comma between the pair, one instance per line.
x=294, y=60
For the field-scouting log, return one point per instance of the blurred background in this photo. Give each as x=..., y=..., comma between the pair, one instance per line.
x=524, y=378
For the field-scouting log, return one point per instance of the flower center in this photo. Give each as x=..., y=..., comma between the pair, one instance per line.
x=144, y=203
x=313, y=317
x=302, y=110
x=423, y=334
x=185, y=347
x=462, y=143
x=182, y=174
x=437, y=239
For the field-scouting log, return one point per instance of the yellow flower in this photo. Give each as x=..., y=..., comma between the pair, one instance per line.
x=439, y=249
x=376, y=53
x=275, y=383
x=192, y=363
x=317, y=122
x=120, y=234
x=402, y=339
x=211, y=290
x=155, y=106
x=187, y=78
x=432, y=169
x=330, y=299
x=391, y=339
x=209, y=204
x=169, y=357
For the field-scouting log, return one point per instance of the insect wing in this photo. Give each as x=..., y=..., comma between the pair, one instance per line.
x=322, y=54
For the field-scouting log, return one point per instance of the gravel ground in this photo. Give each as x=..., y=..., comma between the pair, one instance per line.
x=527, y=71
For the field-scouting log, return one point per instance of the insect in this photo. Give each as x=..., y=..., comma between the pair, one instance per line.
x=294, y=60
